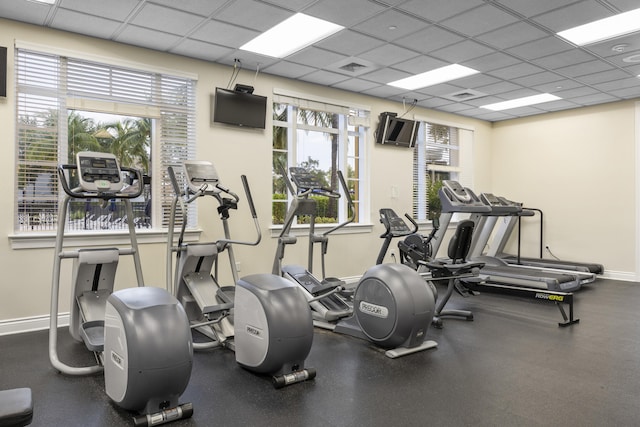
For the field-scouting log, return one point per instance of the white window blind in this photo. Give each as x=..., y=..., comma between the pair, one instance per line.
x=49, y=87
x=436, y=157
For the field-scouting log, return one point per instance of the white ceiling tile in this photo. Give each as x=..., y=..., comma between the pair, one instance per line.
x=429, y=39
x=420, y=64
x=559, y=60
x=598, y=98
x=517, y=70
x=200, y=7
x=145, y=37
x=288, y=69
x=389, y=54
x=603, y=77
x=201, y=50
x=512, y=35
x=539, y=48
x=295, y=5
x=436, y=11
x=491, y=61
x=479, y=20
x=463, y=51
x=583, y=69
x=315, y=57
x=87, y=24
x=499, y=88
x=343, y=12
x=530, y=8
x=322, y=77
x=112, y=9
x=223, y=34
x=573, y=15
x=391, y=25
x=252, y=14
x=169, y=20
x=349, y=43
x=385, y=76
x=537, y=79
x=356, y=85
x=628, y=83
x=25, y=11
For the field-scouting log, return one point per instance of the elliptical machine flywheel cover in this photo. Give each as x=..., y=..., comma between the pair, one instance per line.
x=393, y=304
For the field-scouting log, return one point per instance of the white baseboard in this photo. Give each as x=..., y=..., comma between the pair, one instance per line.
x=620, y=275
x=29, y=324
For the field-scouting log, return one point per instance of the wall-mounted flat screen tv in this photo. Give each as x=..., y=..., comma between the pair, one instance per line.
x=239, y=108
x=3, y=71
x=394, y=130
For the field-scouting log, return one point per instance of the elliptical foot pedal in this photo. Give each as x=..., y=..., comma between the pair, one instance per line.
x=92, y=334
x=180, y=412
x=403, y=351
x=281, y=381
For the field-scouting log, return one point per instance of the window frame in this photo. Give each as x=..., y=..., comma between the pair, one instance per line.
x=165, y=150
x=421, y=167
x=354, y=115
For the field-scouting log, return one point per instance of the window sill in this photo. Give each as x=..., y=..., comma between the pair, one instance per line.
x=303, y=230
x=105, y=238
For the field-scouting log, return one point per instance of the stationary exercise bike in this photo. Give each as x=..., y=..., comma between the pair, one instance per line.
x=416, y=252
x=263, y=318
x=390, y=306
x=140, y=335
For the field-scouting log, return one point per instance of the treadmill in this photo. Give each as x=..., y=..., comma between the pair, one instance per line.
x=457, y=199
x=501, y=208
x=501, y=237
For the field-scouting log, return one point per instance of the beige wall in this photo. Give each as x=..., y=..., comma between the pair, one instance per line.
x=578, y=166
x=562, y=163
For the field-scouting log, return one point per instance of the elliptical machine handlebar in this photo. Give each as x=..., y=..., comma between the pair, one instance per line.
x=81, y=193
x=247, y=191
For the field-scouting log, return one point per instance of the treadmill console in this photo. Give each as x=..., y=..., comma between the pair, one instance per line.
x=200, y=172
x=99, y=172
x=500, y=205
x=491, y=200
x=457, y=190
x=456, y=198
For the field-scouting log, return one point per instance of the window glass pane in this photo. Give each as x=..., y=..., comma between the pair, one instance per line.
x=318, y=118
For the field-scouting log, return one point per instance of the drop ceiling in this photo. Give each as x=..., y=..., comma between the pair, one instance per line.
x=511, y=42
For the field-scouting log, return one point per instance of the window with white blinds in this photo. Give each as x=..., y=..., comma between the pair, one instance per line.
x=436, y=157
x=65, y=105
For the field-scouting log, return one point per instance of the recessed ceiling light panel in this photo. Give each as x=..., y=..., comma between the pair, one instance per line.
x=434, y=77
x=604, y=29
x=521, y=102
x=291, y=35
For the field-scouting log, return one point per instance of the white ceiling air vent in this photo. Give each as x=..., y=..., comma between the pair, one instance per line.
x=352, y=66
x=464, y=95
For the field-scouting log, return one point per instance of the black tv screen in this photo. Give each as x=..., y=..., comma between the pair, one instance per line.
x=3, y=71
x=239, y=108
x=394, y=130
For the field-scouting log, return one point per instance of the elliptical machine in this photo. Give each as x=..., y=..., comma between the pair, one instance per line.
x=390, y=305
x=263, y=318
x=140, y=336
